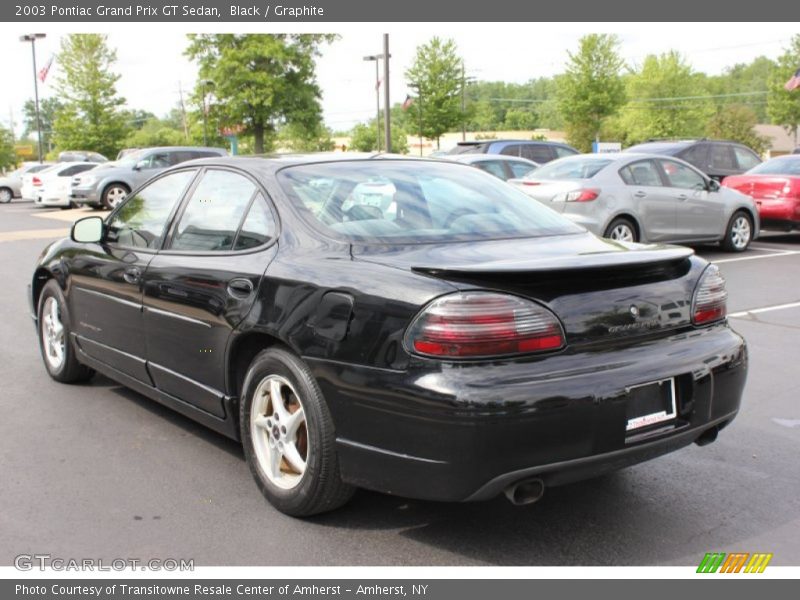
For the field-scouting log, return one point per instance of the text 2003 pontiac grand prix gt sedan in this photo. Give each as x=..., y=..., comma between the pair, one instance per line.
x=414, y=327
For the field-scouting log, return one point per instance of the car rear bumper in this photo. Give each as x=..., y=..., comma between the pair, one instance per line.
x=466, y=431
x=779, y=212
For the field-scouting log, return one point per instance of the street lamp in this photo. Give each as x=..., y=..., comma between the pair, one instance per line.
x=376, y=58
x=204, y=86
x=32, y=37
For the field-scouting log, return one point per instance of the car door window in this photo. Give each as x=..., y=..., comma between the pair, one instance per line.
x=696, y=155
x=158, y=160
x=682, y=176
x=213, y=213
x=511, y=150
x=141, y=220
x=746, y=159
x=258, y=227
x=643, y=173
x=722, y=157
x=493, y=167
x=75, y=169
x=538, y=153
x=520, y=169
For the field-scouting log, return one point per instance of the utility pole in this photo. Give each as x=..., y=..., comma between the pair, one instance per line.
x=386, y=107
x=32, y=37
x=204, y=83
x=183, y=112
x=376, y=58
x=463, y=103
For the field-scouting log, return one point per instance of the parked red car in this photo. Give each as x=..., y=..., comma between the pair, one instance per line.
x=775, y=186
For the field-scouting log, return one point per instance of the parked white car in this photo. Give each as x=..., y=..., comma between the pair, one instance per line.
x=52, y=186
x=11, y=184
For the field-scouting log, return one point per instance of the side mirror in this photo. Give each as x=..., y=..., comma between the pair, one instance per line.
x=142, y=164
x=88, y=230
x=713, y=185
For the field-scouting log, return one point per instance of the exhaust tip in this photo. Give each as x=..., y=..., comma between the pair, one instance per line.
x=525, y=492
x=708, y=436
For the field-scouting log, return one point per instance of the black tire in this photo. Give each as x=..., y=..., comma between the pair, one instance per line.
x=618, y=225
x=109, y=194
x=320, y=488
x=6, y=194
x=70, y=370
x=738, y=233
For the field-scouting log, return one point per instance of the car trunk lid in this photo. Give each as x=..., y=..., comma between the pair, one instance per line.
x=765, y=187
x=600, y=289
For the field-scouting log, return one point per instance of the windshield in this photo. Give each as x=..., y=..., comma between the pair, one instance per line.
x=404, y=201
x=130, y=159
x=572, y=167
x=784, y=165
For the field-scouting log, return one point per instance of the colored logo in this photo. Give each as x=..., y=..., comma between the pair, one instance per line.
x=735, y=562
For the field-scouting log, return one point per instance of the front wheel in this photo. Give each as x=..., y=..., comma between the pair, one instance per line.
x=739, y=233
x=114, y=194
x=288, y=436
x=621, y=230
x=58, y=353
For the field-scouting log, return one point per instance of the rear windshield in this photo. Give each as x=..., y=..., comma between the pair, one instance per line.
x=387, y=201
x=572, y=167
x=784, y=165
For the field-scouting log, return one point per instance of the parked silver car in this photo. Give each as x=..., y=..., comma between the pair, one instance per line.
x=644, y=198
x=499, y=165
x=109, y=183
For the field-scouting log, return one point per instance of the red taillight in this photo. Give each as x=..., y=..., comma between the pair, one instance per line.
x=710, y=301
x=483, y=324
x=586, y=195
x=531, y=183
x=36, y=182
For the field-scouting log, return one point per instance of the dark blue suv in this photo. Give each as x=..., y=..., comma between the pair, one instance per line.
x=537, y=151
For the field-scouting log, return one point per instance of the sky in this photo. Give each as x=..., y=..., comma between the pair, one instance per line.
x=152, y=66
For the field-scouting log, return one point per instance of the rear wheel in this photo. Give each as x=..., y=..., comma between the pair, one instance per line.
x=739, y=233
x=5, y=195
x=114, y=194
x=288, y=436
x=621, y=230
x=58, y=353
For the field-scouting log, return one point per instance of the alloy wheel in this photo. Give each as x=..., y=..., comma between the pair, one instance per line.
x=279, y=432
x=5, y=195
x=622, y=233
x=53, y=334
x=115, y=195
x=740, y=232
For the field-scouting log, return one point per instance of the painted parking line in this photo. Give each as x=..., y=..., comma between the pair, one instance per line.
x=777, y=254
x=32, y=234
x=756, y=311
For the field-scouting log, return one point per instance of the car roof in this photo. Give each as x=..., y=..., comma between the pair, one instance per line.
x=509, y=140
x=471, y=158
x=169, y=148
x=276, y=162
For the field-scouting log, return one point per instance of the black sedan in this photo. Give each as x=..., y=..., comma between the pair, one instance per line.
x=414, y=327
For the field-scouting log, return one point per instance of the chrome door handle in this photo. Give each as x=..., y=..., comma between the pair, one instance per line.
x=640, y=194
x=682, y=197
x=240, y=287
x=132, y=275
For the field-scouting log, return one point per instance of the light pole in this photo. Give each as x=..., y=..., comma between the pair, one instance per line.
x=387, y=126
x=32, y=37
x=205, y=83
x=376, y=58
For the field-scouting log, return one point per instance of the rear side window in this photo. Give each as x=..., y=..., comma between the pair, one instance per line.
x=520, y=169
x=696, y=155
x=213, y=213
x=746, y=159
x=722, y=157
x=493, y=167
x=643, y=173
x=538, y=153
x=512, y=150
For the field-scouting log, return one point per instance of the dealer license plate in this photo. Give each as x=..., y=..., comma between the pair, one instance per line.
x=650, y=403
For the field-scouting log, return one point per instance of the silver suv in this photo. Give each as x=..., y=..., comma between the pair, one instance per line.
x=109, y=183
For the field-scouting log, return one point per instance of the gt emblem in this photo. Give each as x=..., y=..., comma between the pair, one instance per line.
x=634, y=311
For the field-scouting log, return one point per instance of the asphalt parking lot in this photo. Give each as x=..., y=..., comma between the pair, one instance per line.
x=99, y=471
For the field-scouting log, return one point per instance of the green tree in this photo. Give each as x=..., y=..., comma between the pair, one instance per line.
x=783, y=107
x=364, y=138
x=436, y=76
x=155, y=132
x=137, y=118
x=744, y=83
x=664, y=100
x=48, y=108
x=592, y=88
x=737, y=122
x=8, y=158
x=91, y=118
x=261, y=82
x=298, y=138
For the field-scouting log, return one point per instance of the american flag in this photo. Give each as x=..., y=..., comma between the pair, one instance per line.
x=794, y=82
x=408, y=102
x=46, y=69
